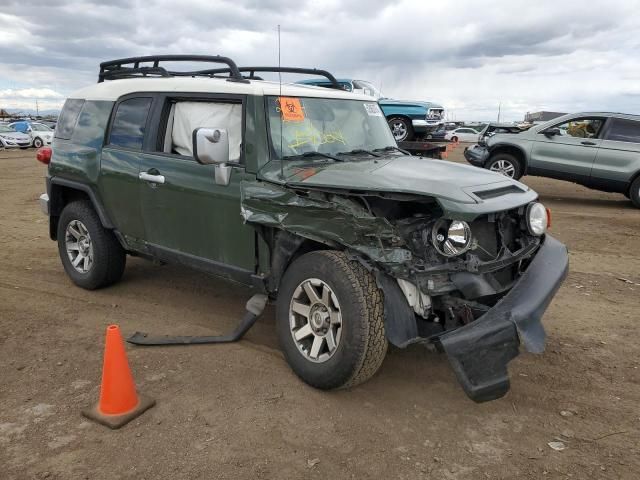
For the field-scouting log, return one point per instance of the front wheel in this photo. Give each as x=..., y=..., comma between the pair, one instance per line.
x=330, y=320
x=634, y=193
x=90, y=254
x=37, y=142
x=401, y=129
x=506, y=164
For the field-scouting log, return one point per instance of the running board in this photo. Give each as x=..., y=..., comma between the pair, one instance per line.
x=255, y=307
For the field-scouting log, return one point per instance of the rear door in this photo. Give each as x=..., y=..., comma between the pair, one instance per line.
x=189, y=218
x=118, y=182
x=618, y=157
x=569, y=155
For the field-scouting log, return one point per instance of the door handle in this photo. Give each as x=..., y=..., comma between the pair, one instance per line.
x=587, y=142
x=147, y=177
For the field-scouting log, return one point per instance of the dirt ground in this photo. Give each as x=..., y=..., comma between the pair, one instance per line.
x=237, y=411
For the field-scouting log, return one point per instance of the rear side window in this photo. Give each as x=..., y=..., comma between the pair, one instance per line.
x=624, y=131
x=129, y=123
x=68, y=118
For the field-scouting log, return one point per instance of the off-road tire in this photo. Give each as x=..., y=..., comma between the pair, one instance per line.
x=407, y=125
x=37, y=142
x=517, y=165
x=109, y=257
x=363, y=345
x=634, y=192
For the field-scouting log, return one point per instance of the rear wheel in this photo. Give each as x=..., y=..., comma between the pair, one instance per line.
x=634, y=193
x=401, y=128
x=90, y=254
x=330, y=320
x=506, y=164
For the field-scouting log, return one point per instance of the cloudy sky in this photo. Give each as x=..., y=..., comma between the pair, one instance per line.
x=469, y=56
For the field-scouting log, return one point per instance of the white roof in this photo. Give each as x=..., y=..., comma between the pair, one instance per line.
x=114, y=89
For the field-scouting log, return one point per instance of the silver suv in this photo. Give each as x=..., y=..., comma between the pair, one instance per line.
x=597, y=150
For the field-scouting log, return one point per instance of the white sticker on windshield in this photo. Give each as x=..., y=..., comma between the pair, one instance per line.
x=373, y=109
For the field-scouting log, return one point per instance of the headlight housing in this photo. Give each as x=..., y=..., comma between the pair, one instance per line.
x=451, y=237
x=537, y=219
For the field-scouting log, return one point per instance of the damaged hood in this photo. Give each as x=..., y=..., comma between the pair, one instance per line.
x=463, y=191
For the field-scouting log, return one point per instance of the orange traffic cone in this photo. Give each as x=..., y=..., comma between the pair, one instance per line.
x=119, y=402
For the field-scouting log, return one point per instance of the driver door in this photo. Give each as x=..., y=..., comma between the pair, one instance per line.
x=188, y=217
x=570, y=154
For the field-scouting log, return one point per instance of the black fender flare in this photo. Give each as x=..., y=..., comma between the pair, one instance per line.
x=56, y=203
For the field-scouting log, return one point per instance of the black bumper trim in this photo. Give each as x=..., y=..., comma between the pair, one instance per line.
x=480, y=352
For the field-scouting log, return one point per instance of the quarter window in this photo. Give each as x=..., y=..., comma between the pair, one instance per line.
x=129, y=123
x=624, y=130
x=68, y=118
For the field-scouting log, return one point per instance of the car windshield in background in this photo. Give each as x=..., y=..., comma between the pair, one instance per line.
x=368, y=88
x=326, y=126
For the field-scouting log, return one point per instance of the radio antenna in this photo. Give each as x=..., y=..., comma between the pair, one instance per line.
x=281, y=108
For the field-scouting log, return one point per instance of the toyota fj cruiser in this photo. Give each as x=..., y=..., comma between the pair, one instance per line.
x=302, y=193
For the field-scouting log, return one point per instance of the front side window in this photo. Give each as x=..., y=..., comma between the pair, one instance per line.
x=298, y=125
x=186, y=116
x=39, y=127
x=129, y=123
x=581, y=127
x=622, y=130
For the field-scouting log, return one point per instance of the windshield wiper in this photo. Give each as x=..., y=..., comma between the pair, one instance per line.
x=315, y=154
x=358, y=151
x=391, y=148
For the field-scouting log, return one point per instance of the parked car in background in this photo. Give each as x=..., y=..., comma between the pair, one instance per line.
x=10, y=138
x=437, y=134
x=408, y=119
x=39, y=133
x=463, y=134
x=597, y=150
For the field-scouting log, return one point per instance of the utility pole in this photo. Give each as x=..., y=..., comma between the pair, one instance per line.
x=499, y=108
x=37, y=109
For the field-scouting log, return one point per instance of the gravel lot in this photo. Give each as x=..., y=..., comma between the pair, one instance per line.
x=237, y=411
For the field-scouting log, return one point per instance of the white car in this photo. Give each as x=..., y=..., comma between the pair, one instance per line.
x=462, y=134
x=9, y=138
x=39, y=133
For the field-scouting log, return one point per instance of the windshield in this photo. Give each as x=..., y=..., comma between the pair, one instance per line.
x=368, y=88
x=39, y=127
x=325, y=125
x=4, y=129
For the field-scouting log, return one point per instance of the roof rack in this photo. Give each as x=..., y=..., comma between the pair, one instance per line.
x=131, y=67
x=252, y=73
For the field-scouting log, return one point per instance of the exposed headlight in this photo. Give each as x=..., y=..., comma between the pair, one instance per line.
x=537, y=219
x=451, y=237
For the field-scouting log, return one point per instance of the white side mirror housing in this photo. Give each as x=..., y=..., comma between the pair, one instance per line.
x=211, y=145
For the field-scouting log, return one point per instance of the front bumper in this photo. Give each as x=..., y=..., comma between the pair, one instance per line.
x=476, y=155
x=480, y=351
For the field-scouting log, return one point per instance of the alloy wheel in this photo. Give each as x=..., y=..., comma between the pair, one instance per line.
x=79, y=248
x=504, y=167
x=315, y=320
x=399, y=130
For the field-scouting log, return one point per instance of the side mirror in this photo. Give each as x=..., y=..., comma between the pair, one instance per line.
x=211, y=146
x=552, y=132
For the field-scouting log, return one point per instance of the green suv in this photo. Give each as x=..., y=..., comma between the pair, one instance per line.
x=597, y=150
x=301, y=193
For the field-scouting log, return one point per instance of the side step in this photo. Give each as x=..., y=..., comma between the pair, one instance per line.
x=255, y=307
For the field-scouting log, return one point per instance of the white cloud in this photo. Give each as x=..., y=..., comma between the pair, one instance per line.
x=468, y=55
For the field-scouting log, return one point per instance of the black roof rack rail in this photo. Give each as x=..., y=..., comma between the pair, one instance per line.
x=131, y=67
x=252, y=71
